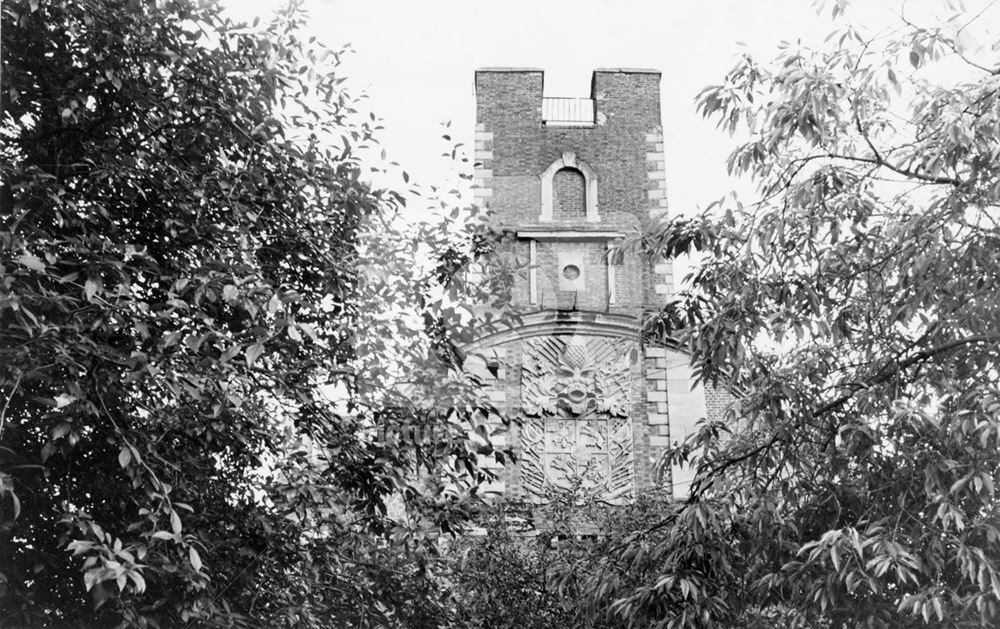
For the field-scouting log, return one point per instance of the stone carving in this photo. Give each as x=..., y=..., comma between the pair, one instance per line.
x=532, y=446
x=594, y=455
x=577, y=431
x=622, y=475
x=579, y=376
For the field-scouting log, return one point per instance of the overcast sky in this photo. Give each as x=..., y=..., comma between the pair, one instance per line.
x=415, y=61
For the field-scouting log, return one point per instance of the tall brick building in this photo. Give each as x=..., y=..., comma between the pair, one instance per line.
x=568, y=179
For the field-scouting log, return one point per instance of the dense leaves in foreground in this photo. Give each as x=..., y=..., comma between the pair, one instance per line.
x=186, y=438
x=854, y=310
x=501, y=574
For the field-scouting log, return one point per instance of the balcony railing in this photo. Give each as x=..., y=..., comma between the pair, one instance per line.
x=568, y=112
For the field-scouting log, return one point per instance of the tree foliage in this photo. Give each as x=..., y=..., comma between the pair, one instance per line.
x=853, y=310
x=501, y=575
x=187, y=436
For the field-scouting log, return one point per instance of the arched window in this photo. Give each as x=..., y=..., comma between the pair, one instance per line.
x=577, y=185
x=569, y=194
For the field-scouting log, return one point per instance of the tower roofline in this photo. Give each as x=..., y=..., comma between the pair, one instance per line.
x=528, y=69
x=508, y=69
x=630, y=70
x=516, y=70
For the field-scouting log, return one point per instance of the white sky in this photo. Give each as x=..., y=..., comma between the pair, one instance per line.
x=415, y=61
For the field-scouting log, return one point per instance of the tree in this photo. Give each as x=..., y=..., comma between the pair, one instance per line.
x=187, y=437
x=502, y=576
x=853, y=311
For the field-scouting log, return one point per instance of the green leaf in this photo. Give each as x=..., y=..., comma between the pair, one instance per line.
x=31, y=261
x=253, y=352
x=64, y=399
x=138, y=581
x=894, y=81
x=15, y=505
x=92, y=287
x=273, y=304
x=61, y=430
x=195, y=558
x=124, y=456
x=92, y=577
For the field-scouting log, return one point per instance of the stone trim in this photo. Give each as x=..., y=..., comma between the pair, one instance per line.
x=482, y=175
x=554, y=322
x=533, y=272
x=612, y=276
x=561, y=234
x=657, y=411
x=656, y=198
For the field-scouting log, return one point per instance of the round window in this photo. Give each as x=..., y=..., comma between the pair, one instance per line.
x=571, y=271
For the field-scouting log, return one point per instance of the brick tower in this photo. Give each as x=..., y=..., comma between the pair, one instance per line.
x=568, y=179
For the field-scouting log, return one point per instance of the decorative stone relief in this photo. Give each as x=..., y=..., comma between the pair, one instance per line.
x=593, y=454
x=577, y=376
x=577, y=433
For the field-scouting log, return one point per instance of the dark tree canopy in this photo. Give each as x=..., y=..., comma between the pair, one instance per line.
x=853, y=310
x=185, y=436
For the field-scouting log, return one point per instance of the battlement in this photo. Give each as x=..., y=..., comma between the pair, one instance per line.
x=613, y=140
x=616, y=94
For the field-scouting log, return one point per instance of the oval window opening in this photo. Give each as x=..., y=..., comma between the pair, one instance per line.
x=571, y=272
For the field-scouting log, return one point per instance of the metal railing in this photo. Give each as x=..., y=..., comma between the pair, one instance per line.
x=568, y=112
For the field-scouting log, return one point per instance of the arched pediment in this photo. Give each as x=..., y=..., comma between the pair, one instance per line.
x=559, y=323
x=568, y=323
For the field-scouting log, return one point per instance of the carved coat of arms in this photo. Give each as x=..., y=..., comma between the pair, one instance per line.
x=576, y=396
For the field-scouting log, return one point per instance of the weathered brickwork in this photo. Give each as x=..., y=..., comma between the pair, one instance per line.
x=567, y=196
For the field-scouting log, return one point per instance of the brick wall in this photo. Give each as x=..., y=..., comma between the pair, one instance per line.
x=628, y=109
x=594, y=272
